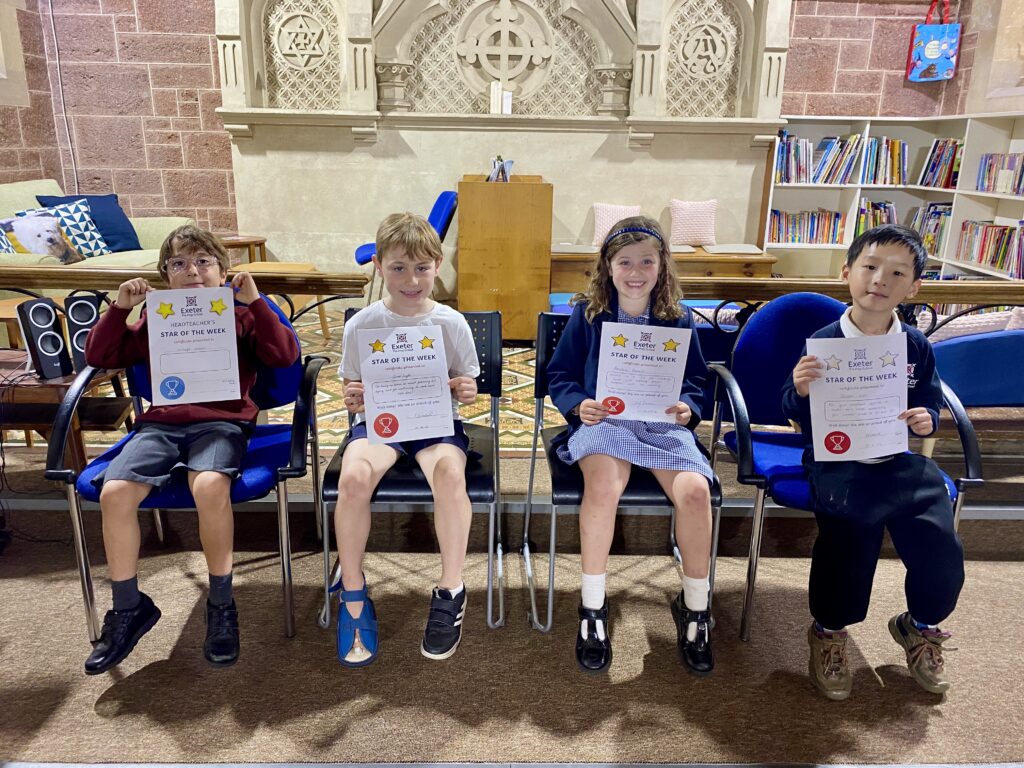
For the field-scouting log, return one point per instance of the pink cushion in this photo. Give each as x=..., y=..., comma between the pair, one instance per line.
x=1016, y=319
x=693, y=223
x=606, y=215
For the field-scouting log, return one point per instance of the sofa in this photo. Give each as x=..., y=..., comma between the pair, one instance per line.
x=20, y=195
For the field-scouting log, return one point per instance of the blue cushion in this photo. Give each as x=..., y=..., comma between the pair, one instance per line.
x=365, y=253
x=269, y=449
x=443, y=212
x=559, y=302
x=112, y=222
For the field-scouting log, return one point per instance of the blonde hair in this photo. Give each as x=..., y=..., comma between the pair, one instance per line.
x=666, y=292
x=411, y=233
x=191, y=238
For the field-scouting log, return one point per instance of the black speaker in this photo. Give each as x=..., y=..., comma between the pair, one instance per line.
x=82, y=312
x=44, y=338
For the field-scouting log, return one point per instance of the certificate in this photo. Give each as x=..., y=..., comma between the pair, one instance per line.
x=405, y=380
x=193, y=346
x=640, y=370
x=856, y=403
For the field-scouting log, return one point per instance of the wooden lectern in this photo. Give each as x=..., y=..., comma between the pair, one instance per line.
x=505, y=250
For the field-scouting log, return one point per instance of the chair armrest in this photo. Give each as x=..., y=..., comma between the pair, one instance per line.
x=744, y=447
x=304, y=405
x=153, y=230
x=55, y=469
x=968, y=440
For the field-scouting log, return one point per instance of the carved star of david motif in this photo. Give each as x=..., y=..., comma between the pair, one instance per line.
x=300, y=39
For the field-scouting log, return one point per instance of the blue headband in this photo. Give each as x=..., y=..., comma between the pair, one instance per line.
x=627, y=230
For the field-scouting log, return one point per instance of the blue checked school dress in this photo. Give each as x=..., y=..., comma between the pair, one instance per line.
x=655, y=445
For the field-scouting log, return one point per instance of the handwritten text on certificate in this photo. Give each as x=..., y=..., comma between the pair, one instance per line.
x=856, y=403
x=193, y=345
x=405, y=376
x=640, y=370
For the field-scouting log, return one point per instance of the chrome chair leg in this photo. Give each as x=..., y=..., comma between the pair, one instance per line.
x=716, y=522
x=752, y=561
x=495, y=569
x=331, y=576
x=546, y=626
x=284, y=543
x=92, y=623
x=158, y=524
x=958, y=505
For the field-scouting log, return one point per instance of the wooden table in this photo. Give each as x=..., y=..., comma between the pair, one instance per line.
x=571, y=272
x=255, y=245
x=289, y=267
x=31, y=403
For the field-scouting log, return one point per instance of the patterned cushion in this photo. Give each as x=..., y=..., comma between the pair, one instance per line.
x=39, y=233
x=968, y=325
x=78, y=227
x=693, y=223
x=606, y=215
x=5, y=244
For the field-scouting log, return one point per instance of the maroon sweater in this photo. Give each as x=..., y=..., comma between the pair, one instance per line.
x=262, y=339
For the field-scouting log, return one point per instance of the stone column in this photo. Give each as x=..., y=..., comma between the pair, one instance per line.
x=392, y=78
x=615, y=86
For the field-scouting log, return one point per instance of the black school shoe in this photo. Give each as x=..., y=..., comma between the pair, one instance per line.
x=592, y=653
x=443, y=632
x=221, y=646
x=696, y=655
x=121, y=631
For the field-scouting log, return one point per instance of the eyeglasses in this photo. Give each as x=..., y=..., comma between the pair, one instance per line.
x=201, y=263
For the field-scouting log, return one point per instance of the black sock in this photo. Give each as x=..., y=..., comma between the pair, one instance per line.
x=220, y=590
x=126, y=593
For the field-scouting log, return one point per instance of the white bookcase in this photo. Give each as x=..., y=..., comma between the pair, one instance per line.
x=981, y=134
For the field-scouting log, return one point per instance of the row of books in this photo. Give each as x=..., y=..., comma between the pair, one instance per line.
x=931, y=222
x=1002, y=173
x=822, y=226
x=885, y=162
x=993, y=245
x=942, y=167
x=798, y=161
x=871, y=214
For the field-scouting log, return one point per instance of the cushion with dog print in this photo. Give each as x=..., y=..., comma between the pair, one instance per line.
x=77, y=225
x=39, y=233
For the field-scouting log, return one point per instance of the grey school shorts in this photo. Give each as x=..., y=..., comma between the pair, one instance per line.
x=159, y=450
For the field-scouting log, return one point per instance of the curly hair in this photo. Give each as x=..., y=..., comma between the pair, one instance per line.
x=666, y=293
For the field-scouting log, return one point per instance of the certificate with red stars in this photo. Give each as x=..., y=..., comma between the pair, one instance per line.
x=640, y=370
x=855, y=405
x=405, y=380
x=193, y=345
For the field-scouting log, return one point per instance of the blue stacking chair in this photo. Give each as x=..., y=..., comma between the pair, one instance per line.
x=642, y=490
x=276, y=453
x=751, y=394
x=405, y=482
x=440, y=219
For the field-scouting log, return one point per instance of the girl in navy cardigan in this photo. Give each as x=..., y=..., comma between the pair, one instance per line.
x=634, y=282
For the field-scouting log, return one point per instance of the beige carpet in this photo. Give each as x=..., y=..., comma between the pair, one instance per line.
x=507, y=695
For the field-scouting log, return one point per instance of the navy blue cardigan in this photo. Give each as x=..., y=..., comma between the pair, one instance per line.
x=572, y=370
x=923, y=388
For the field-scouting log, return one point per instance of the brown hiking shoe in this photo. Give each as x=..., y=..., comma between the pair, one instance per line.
x=924, y=652
x=827, y=664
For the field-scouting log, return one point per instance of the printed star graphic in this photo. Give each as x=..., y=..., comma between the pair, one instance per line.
x=888, y=359
x=377, y=346
x=620, y=340
x=832, y=362
x=426, y=342
x=217, y=306
x=165, y=310
x=671, y=345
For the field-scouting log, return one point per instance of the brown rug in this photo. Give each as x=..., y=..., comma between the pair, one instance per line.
x=507, y=695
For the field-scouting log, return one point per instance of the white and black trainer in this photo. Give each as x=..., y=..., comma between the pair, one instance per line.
x=444, y=624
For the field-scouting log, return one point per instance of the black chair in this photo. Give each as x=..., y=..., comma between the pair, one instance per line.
x=642, y=490
x=405, y=483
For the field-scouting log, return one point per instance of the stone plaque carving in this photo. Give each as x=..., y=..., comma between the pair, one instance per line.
x=506, y=41
x=705, y=49
x=302, y=47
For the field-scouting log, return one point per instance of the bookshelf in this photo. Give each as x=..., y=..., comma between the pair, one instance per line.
x=979, y=134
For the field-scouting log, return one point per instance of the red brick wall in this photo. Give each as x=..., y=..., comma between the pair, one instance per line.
x=28, y=144
x=849, y=58
x=140, y=87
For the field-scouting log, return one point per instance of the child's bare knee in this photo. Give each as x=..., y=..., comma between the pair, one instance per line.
x=117, y=493
x=211, y=485
x=450, y=476
x=355, y=482
x=693, y=492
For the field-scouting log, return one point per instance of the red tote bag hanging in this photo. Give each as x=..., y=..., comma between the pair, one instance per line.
x=934, y=48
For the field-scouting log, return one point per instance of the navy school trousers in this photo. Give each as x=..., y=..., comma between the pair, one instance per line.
x=854, y=504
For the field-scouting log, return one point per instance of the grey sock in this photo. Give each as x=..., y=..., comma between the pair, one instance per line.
x=126, y=594
x=220, y=590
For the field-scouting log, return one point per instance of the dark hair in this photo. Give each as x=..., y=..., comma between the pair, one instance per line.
x=891, y=234
x=189, y=238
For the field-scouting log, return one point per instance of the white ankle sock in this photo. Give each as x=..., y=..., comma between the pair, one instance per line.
x=458, y=590
x=592, y=597
x=695, y=595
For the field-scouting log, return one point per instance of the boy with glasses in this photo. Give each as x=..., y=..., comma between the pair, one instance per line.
x=205, y=440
